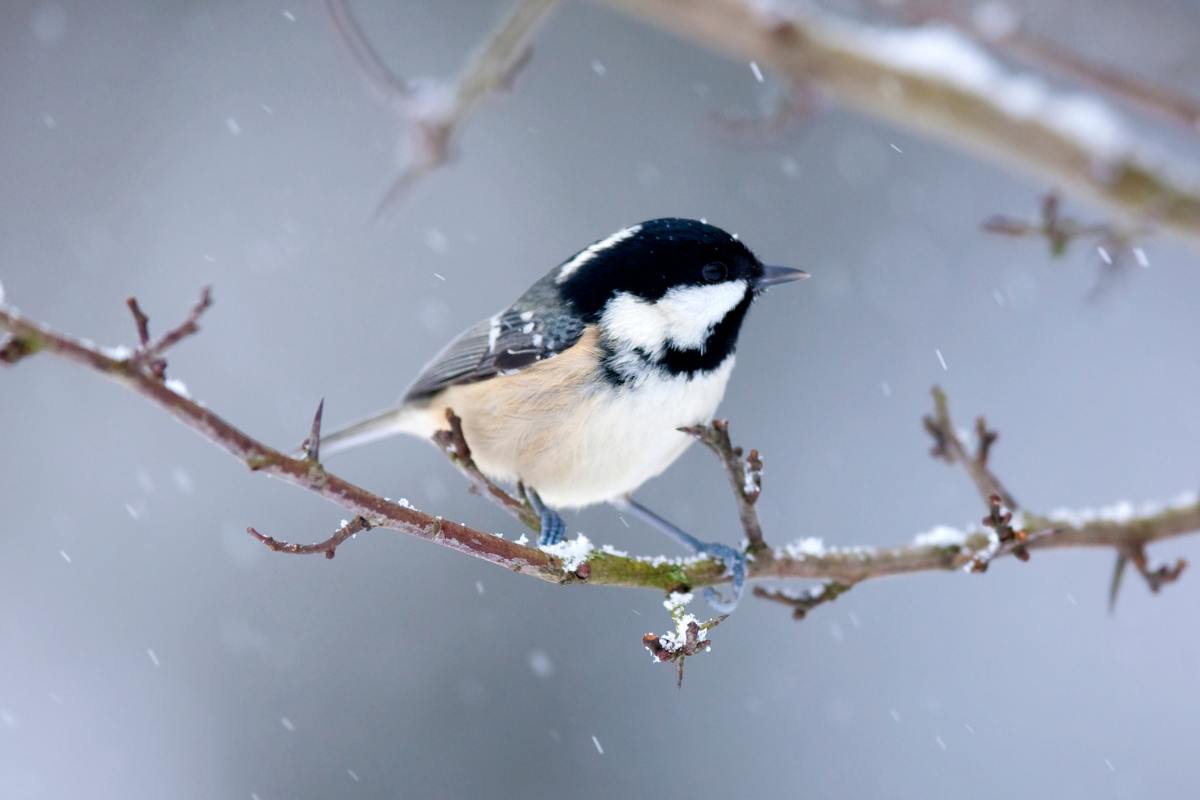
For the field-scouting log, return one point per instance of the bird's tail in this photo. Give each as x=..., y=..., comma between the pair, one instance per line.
x=392, y=422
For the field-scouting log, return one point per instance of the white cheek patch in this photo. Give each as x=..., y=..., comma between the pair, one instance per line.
x=693, y=311
x=635, y=322
x=684, y=316
x=588, y=253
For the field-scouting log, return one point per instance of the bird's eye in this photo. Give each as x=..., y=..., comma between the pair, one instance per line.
x=715, y=272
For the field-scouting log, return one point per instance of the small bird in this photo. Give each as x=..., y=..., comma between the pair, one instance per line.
x=578, y=389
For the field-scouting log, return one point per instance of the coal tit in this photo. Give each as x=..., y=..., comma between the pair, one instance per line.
x=578, y=389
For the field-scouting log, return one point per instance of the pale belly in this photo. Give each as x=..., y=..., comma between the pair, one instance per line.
x=580, y=442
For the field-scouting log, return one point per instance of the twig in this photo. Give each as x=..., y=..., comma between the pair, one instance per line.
x=886, y=74
x=745, y=476
x=689, y=638
x=432, y=111
x=149, y=354
x=803, y=602
x=328, y=546
x=947, y=446
x=454, y=444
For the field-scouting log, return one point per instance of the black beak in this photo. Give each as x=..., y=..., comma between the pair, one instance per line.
x=773, y=276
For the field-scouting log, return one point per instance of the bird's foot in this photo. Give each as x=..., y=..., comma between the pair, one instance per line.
x=735, y=567
x=733, y=559
x=553, y=528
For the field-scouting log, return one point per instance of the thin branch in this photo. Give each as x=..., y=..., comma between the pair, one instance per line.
x=745, y=476
x=1117, y=531
x=948, y=446
x=328, y=546
x=432, y=111
x=454, y=444
x=887, y=74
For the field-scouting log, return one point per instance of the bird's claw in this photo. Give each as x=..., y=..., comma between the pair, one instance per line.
x=735, y=566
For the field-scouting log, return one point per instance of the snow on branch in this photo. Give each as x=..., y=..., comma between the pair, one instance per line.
x=1003, y=532
x=938, y=82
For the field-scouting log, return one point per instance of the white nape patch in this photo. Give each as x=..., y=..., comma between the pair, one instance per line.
x=684, y=316
x=588, y=253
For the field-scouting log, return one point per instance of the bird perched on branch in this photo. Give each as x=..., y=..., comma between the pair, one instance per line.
x=578, y=389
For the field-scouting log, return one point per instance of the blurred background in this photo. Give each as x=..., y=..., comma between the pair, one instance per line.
x=149, y=648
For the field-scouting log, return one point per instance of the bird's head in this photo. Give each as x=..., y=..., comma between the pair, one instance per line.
x=673, y=291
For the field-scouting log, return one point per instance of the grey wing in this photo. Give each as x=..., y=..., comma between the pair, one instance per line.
x=505, y=343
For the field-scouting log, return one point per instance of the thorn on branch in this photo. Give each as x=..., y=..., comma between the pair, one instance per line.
x=328, y=546
x=803, y=602
x=312, y=445
x=744, y=472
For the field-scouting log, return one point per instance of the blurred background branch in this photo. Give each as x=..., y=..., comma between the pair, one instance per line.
x=937, y=82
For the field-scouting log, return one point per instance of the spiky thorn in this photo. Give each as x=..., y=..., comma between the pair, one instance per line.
x=312, y=445
x=328, y=546
x=690, y=639
x=803, y=602
x=745, y=476
x=454, y=444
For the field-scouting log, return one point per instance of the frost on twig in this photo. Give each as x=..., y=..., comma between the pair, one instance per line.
x=689, y=638
x=432, y=111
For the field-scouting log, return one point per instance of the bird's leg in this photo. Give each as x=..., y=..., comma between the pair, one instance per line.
x=734, y=560
x=552, y=526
